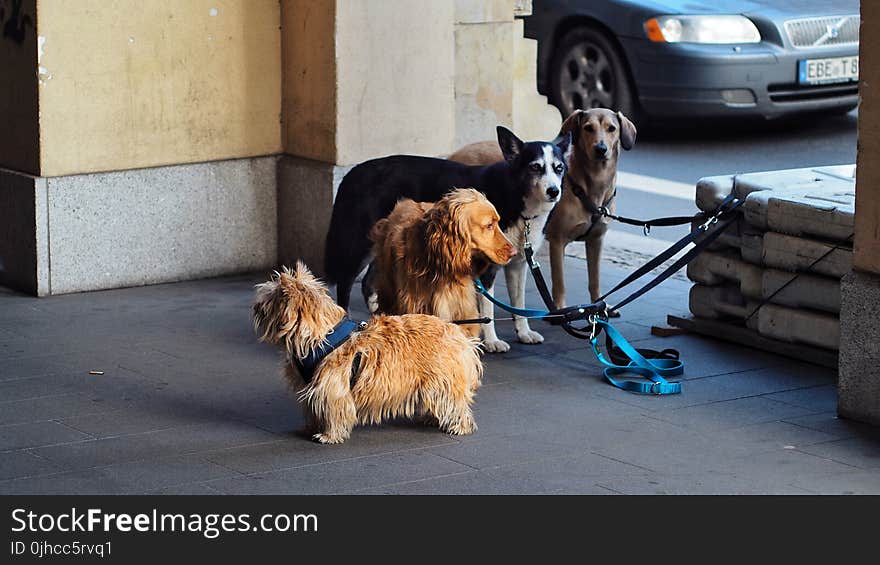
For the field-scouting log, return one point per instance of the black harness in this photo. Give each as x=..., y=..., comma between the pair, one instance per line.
x=340, y=333
x=596, y=212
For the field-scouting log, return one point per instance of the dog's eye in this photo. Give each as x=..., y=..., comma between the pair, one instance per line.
x=558, y=168
x=611, y=128
x=537, y=167
x=589, y=128
x=490, y=226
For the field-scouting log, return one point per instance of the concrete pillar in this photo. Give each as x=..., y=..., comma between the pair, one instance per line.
x=362, y=79
x=495, y=74
x=859, y=369
x=152, y=155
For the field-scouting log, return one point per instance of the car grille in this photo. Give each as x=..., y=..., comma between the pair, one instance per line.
x=782, y=93
x=817, y=32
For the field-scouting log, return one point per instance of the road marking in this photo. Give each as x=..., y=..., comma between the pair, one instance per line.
x=656, y=185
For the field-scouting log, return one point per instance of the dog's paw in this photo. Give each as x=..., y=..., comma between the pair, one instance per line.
x=373, y=303
x=462, y=428
x=496, y=346
x=530, y=336
x=327, y=438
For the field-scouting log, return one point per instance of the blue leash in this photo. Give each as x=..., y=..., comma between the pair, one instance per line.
x=655, y=370
x=524, y=312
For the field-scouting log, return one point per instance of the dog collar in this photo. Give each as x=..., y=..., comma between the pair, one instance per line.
x=340, y=333
x=528, y=219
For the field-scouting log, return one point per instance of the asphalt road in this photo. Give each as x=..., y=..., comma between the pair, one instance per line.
x=657, y=177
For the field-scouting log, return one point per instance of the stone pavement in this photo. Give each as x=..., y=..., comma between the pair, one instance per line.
x=189, y=402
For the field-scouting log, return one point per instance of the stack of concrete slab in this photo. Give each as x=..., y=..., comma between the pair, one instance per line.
x=774, y=275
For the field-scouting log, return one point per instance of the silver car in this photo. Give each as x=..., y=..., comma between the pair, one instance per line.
x=670, y=58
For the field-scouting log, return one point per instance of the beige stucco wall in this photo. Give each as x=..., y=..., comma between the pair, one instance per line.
x=395, y=72
x=127, y=84
x=19, y=143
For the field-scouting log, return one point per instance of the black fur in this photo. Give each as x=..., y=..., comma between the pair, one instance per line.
x=371, y=189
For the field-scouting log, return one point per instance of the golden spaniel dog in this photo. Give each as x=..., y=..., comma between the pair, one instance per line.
x=392, y=366
x=427, y=255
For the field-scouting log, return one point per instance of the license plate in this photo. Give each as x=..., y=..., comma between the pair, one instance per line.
x=824, y=71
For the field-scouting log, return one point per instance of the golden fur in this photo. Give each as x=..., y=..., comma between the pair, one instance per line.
x=598, y=177
x=413, y=365
x=428, y=254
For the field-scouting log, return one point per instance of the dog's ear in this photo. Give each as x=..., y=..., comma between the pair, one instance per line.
x=447, y=231
x=572, y=125
x=627, y=132
x=565, y=147
x=510, y=144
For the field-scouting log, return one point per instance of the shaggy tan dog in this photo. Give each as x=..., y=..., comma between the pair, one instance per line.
x=427, y=255
x=392, y=366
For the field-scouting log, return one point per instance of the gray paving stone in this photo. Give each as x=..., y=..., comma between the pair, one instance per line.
x=348, y=476
x=166, y=472
x=782, y=464
x=822, y=398
x=18, y=464
x=829, y=423
x=771, y=436
x=468, y=482
x=179, y=440
x=298, y=450
x=577, y=473
x=35, y=434
x=74, y=482
x=732, y=413
x=54, y=407
x=499, y=451
x=186, y=489
x=706, y=483
x=860, y=452
x=855, y=482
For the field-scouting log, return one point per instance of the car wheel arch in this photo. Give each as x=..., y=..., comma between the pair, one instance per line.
x=573, y=23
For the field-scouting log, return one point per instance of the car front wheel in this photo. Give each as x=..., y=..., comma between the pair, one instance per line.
x=587, y=72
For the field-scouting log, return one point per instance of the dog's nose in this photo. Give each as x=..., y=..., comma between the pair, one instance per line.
x=601, y=149
x=553, y=192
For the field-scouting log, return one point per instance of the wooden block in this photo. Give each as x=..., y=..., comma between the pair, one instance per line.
x=666, y=331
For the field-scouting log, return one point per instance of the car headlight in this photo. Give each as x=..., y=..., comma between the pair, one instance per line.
x=702, y=29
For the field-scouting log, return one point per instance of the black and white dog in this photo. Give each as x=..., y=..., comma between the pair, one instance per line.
x=524, y=188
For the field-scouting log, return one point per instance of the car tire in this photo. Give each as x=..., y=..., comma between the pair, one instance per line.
x=588, y=71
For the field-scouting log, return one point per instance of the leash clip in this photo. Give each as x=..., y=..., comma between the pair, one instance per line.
x=593, y=323
x=656, y=384
x=647, y=229
x=710, y=222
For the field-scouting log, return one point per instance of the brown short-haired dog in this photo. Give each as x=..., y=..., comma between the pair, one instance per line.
x=392, y=366
x=598, y=135
x=427, y=255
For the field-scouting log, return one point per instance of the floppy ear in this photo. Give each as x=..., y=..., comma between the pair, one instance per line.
x=510, y=144
x=448, y=240
x=572, y=125
x=565, y=147
x=627, y=132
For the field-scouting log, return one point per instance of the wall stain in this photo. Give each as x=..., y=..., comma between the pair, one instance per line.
x=14, y=23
